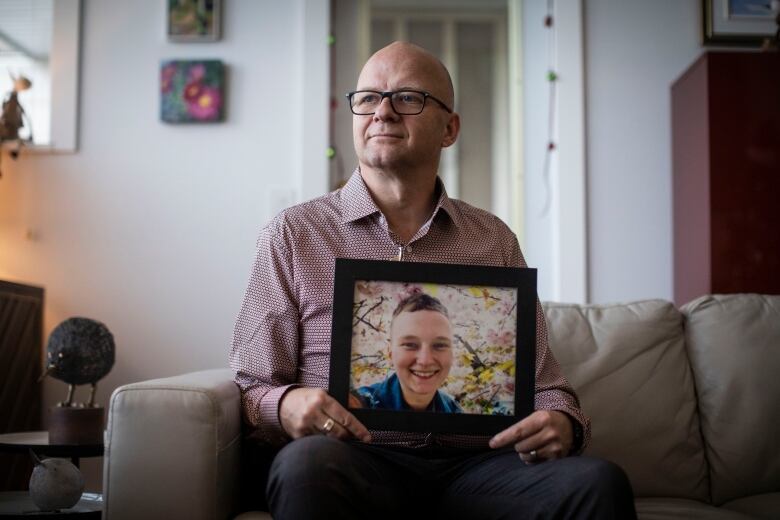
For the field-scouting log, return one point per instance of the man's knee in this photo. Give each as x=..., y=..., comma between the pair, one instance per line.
x=308, y=459
x=317, y=477
x=604, y=488
x=602, y=476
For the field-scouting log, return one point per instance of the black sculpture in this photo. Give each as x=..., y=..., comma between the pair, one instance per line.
x=80, y=351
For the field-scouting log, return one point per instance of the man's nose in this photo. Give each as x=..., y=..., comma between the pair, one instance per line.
x=385, y=110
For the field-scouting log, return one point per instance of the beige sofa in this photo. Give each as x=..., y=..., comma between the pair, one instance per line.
x=686, y=401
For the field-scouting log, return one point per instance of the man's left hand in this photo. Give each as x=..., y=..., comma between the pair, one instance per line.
x=543, y=435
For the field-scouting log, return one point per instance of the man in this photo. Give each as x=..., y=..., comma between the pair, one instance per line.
x=421, y=353
x=394, y=206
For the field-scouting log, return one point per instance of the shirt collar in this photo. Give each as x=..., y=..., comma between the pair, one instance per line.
x=446, y=204
x=392, y=396
x=356, y=201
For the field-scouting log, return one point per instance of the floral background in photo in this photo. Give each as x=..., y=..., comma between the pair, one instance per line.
x=484, y=319
x=192, y=91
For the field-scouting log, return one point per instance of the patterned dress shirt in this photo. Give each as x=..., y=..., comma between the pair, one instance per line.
x=282, y=335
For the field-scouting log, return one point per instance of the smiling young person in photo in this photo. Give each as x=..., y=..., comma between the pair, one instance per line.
x=420, y=351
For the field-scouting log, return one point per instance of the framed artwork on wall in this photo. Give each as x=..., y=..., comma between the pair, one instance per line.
x=194, y=20
x=192, y=91
x=744, y=23
x=433, y=347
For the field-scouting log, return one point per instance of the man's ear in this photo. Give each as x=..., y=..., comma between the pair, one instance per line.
x=451, y=131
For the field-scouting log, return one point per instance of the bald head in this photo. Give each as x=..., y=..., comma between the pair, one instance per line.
x=405, y=146
x=412, y=63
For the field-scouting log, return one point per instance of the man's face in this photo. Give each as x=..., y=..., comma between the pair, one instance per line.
x=421, y=352
x=388, y=140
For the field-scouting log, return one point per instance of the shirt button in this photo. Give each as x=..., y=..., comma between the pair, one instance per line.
x=408, y=249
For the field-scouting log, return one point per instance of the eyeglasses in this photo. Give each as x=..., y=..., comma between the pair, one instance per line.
x=404, y=102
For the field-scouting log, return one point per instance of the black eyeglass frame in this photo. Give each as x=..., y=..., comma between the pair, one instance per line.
x=389, y=94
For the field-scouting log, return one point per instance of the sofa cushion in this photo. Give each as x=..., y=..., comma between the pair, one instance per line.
x=734, y=347
x=678, y=508
x=629, y=367
x=766, y=506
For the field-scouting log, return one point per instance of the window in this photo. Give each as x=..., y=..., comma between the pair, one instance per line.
x=39, y=39
x=25, y=40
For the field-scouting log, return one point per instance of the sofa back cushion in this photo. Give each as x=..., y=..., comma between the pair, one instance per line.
x=629, y=367
x=734, y=347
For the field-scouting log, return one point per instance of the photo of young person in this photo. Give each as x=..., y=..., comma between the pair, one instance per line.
x=421, y=351
x=433, y=347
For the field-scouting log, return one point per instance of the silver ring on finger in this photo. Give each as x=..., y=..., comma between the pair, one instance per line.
x=533, y=455
x=328, y=426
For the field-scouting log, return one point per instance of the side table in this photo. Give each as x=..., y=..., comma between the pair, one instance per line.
x=39, y=442
x=18, y=504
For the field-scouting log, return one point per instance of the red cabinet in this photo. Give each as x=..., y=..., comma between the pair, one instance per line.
x=726, y=175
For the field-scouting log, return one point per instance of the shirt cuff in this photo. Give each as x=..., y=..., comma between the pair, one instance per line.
x=270, y=426
x=578, y=436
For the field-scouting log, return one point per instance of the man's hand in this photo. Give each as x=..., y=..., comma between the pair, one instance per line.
x=311, y=411
x=543, y=435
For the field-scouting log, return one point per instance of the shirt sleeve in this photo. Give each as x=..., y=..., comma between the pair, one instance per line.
x=264, y=353
x=553, y=391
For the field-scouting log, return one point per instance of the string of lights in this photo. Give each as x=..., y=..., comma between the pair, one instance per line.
x=552, y=81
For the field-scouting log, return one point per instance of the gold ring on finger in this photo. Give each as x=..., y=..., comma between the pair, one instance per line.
x=328, y=426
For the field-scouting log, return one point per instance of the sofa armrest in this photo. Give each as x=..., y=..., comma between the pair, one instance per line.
x=172, y=448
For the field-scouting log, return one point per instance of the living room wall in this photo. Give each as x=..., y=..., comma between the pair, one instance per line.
x=634, y=51
x=149, y=227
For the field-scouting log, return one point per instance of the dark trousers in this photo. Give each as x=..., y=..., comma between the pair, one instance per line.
x=320, y=477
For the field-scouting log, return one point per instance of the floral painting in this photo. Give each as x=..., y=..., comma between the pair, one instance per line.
x=484, y=321
x=192, y=91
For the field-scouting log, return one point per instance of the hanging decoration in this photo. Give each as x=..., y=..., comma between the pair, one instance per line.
x=552, y=80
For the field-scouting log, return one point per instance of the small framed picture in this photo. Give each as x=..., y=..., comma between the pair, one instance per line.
x=192, y=91
x=433, y=347
x=194, y=20
x=744, y=23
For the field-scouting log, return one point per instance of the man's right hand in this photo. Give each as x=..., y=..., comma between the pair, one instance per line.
x=306, y=411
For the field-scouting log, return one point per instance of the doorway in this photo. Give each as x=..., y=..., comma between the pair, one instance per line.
x=473, y=38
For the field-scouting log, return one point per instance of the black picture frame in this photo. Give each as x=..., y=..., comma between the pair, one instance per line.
x=349, y=272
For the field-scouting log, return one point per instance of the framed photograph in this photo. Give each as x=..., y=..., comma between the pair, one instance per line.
x=194, y=20
x=192, y=91
x=738, y=22
x=433, y=347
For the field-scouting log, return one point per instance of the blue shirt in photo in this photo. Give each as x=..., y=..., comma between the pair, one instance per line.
x=387, y=394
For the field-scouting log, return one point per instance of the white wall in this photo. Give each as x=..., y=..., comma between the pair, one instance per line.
x=635, y=49
x=151, y=227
